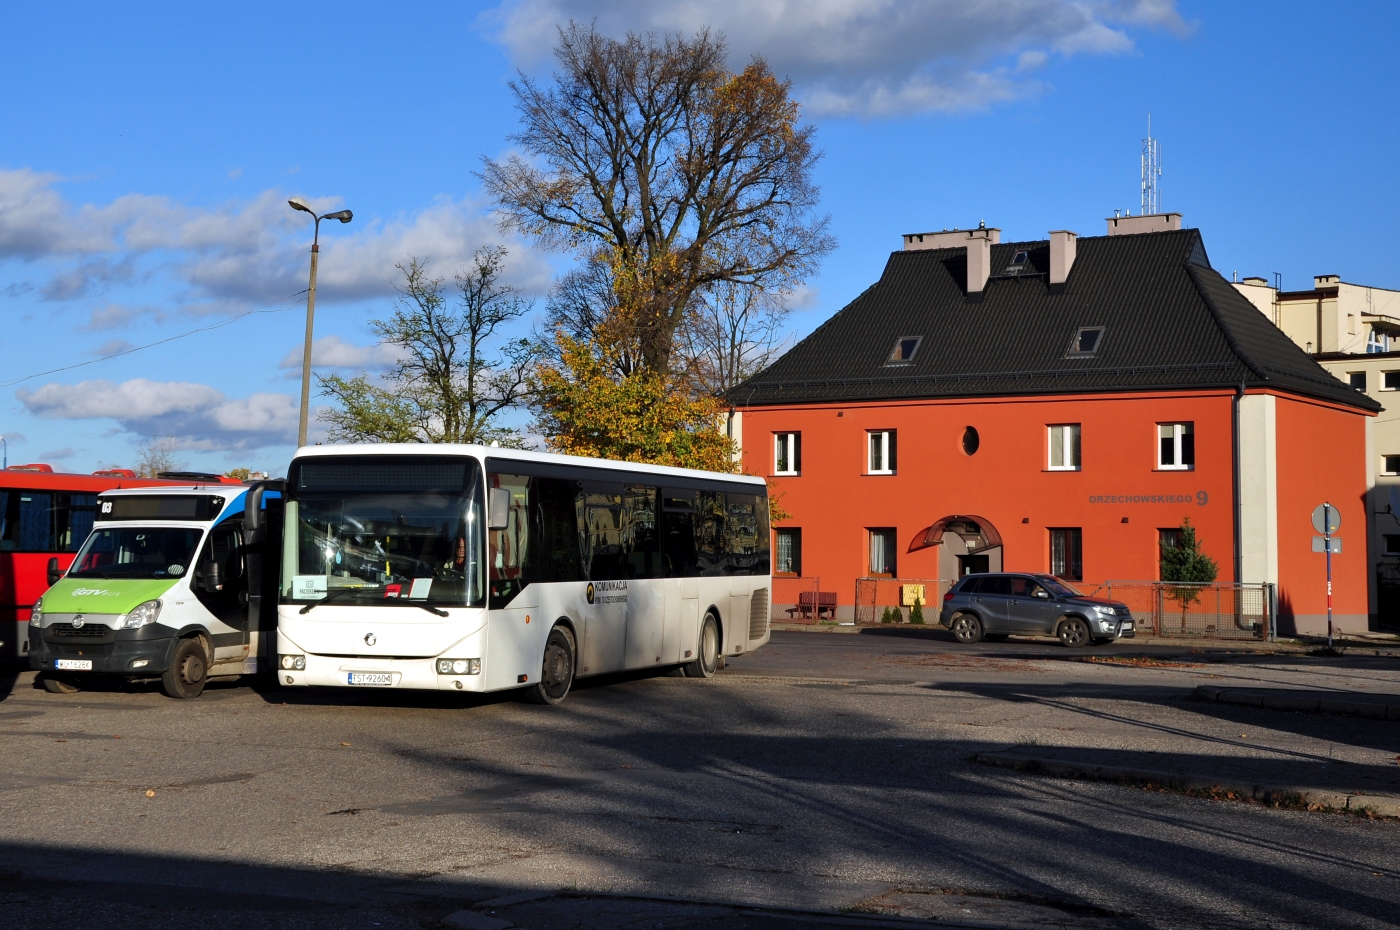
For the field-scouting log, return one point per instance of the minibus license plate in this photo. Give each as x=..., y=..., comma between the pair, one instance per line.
x=369, y=678
x=73, y=665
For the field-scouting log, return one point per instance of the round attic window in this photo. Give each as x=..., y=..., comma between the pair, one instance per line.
x=971, y=441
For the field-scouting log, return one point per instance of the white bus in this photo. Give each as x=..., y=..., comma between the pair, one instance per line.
x=466, y=568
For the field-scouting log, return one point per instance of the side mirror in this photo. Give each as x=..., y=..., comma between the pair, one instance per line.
x=1042, y=593
x=55, y=572
x=498, y=515
x=211, y=578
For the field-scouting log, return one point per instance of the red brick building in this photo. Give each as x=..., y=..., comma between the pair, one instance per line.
x=1062, y=406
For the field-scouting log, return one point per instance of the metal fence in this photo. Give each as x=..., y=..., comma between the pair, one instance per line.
x=796, y=600
x=1197, y=611
x=879, y=598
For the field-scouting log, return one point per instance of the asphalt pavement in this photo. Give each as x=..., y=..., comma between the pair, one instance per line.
x=824, y=781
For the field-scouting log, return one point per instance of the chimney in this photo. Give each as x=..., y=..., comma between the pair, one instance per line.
x=1143, y=223
x=1063, y=244
x=978, y=243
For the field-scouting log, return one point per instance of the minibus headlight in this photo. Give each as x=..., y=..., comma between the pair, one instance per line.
x=294, y=663
x=36, y=613
x=141, y=614
x=459, y=666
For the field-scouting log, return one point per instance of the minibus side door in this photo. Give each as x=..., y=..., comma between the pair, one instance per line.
x=226, y=602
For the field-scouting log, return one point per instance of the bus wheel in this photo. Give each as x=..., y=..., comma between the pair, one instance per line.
x=558, y=672
x=59, y=685
x=185, y=677
x=707, y=662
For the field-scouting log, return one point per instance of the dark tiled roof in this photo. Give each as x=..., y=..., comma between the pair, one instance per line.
x=1170, y=322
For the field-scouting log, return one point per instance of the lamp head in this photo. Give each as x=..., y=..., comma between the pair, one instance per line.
x=298, y=204
x=344, y=216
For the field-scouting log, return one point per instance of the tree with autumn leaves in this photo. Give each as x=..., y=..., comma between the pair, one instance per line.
x=684, y=191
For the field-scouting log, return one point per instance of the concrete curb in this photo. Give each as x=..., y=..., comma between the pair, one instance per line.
x=1386, y=707
x=1382, y=805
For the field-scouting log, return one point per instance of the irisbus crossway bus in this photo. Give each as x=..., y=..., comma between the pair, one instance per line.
x=466, y=568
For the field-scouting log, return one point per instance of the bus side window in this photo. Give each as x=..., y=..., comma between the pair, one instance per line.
x=678, y=554
x=509, y=549
x=555, y=555
x=603, y=523
x=710, y=533
x=643, y=549
x=746, y=536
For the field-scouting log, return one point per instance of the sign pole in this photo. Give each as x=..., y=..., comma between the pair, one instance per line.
x=1327, y=544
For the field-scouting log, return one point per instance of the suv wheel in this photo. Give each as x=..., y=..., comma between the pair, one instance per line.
x=966, y=628
x=1074, y=632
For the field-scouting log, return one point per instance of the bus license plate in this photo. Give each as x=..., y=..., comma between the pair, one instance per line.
x=73, y=665
x=369, y=678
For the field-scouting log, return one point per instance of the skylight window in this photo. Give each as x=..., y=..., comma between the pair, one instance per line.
x=904, y=349
x=1019, y=262
x=1087, y=342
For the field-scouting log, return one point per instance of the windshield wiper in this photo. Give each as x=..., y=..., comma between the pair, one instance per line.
x=430, y=609
x=330, y=597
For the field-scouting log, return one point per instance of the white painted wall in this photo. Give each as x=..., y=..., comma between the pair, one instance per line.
x=1258, y=489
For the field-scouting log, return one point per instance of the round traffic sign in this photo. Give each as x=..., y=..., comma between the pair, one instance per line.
x=1326, y=519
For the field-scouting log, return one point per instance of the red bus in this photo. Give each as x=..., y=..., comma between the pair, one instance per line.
x=46, y=515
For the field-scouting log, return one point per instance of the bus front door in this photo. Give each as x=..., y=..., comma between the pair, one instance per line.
x=226, y=602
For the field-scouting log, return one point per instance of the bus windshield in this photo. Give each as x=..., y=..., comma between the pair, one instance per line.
x=136, y=552
x=379, y=533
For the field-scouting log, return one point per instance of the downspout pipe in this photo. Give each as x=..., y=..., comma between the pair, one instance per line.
x=1235, y=479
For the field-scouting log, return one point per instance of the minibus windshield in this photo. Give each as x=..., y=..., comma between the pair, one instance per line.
x=136, y=552
x=365, y=546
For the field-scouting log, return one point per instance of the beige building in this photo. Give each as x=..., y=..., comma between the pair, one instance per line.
x=1354, y=332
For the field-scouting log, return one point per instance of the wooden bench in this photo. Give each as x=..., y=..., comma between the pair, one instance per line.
x=818, y=602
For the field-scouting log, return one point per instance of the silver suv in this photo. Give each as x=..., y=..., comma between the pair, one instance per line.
x=993, y=606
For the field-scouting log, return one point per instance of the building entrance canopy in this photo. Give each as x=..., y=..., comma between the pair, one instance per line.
x=975, y=532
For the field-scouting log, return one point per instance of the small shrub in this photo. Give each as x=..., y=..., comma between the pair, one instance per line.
x=887, y=616
x=916, y=613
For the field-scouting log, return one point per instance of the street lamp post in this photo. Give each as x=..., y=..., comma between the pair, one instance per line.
x=344, y=216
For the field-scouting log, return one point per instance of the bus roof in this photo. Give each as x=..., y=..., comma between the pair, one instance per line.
x=522, y=455
x=62, y=481
x=222, y=490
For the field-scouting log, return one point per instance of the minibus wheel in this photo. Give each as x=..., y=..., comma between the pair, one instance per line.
x=557, y=675
x=59, y=685
x=185, y=677
x=707, y=662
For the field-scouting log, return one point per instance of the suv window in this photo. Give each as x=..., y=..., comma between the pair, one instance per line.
x=1023, y=587
x=995, y=584
x=969, y=584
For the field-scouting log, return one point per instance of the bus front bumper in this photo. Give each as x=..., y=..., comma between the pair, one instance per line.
x=370, y=673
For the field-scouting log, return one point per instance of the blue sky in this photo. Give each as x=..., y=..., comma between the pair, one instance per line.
x=147, y=152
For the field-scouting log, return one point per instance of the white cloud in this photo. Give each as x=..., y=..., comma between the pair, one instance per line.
x=55, y=454
x=334, y=352
x=242, y=252
x=864, y=57
x=196, y=415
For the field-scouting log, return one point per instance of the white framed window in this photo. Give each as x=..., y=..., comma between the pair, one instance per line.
x=787, y=453
x=882, y=552
x=881, y=457
x=1356, y=380
x=1390, y=381
x=789, y=561
x=1176, y=446
x=1390, y=464
x=1064, y=447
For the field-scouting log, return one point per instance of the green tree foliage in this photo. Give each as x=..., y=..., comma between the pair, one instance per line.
x=1186, y=563
x=448, y=385
x=916, y=613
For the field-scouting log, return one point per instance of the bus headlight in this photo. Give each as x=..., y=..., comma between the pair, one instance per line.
x=36, y=613
x=141, y=615
x=459, y=666
x=293, y=663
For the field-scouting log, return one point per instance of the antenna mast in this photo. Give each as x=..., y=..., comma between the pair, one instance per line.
x=1151, y=172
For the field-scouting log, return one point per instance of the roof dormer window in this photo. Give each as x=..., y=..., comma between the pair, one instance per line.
x=1086, y=343
x=904, y=349
x=1018, y=262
